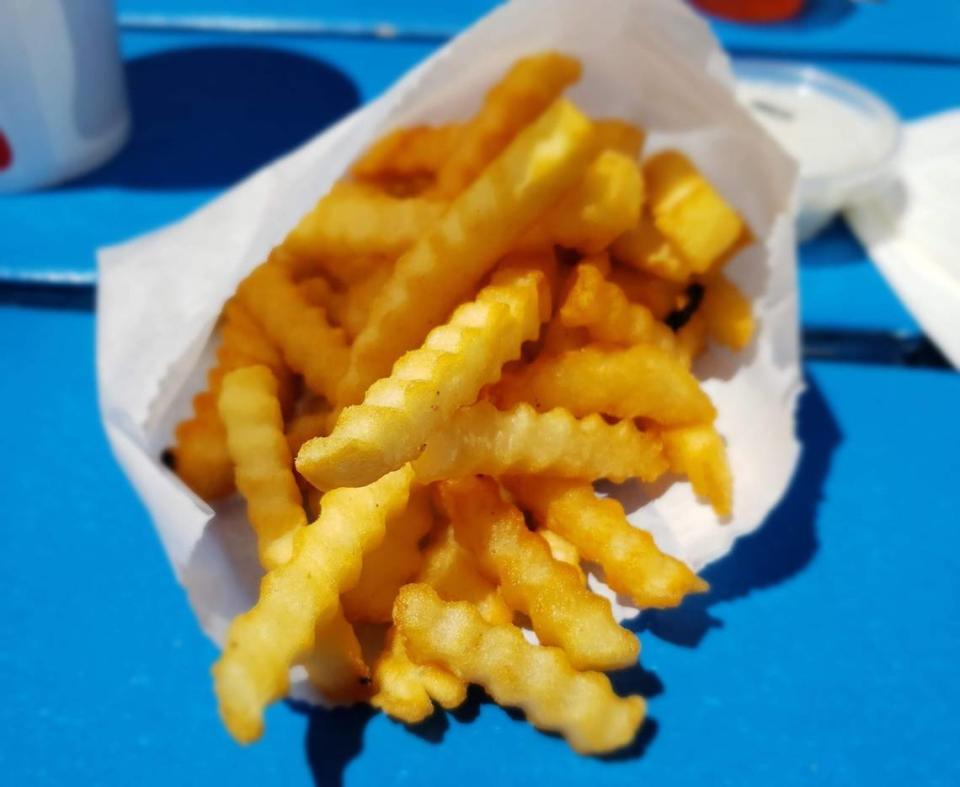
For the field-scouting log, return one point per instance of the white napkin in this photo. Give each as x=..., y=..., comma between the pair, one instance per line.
x=911, y=228
x=650, y=61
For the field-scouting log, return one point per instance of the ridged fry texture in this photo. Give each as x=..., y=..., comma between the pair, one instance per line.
x=426, y=386
x=598, y=527
x=581, y=706
x=481, y=439
x=549, y=592
x=298, y=597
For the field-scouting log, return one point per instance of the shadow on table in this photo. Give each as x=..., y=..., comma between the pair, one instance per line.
x=208, y=116
x=780, y=549
x=835, y=245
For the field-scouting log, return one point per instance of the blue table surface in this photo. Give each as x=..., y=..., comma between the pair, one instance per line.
x=826, y=650
x=924, y=28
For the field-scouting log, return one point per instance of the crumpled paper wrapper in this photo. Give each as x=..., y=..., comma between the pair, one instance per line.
x=652, y=62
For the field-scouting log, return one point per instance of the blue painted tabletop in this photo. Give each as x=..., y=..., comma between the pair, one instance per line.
x=825, y=652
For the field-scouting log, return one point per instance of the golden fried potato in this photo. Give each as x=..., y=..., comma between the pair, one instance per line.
x=562, y=611
x=562, y=550
x=481, y=439
x=643, y=381
x=306, y=425
x=658, y=295
x=530, y=86
x=392, y=564
x=318, y=291
x=250, y=411
x=200, y=455
x=581, y=706
x=597, y=210
x=354, y=222
x=408, y=152
x=691, y=339
x=536, y=168
x=299, y=596
x=604, y=310
x=598, y=528
x=335, y=664
x=689, y=211
x=351, y=310
x=698, y=452
x=310, y=345
x=616, y=134
x=727, y=313
x=645, y=248
x=427, y=385
x=398, y=685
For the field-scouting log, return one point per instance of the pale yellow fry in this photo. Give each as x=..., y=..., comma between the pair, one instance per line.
x=658, y=295
x=646, y=249
x=398, y=686
x=408, y=151
x=482, y=440
x=604, y=310
x=200, y=455
x=561, y=610
x=698, y=452
x=598, y=527
x=335, y=664
x=263, y=468
x=442, y=268
x=689, y=211
x=530, y=86
x=319, y=292
x=615, y=134
x=581, y=706
x=305, y=426
x=727, y=313
x=310, y=345
x=359, y=222
x=562, y=550
x=299, y=596
x=352, y=308
x=597, y=210
x=692, y=339
x=392, y=564
x=642, y=381
x=453, y=572
x=427, y=385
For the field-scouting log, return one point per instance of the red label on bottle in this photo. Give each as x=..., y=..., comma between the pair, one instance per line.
x=6, y=154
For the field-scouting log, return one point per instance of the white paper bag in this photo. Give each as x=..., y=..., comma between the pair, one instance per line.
x=652, y=62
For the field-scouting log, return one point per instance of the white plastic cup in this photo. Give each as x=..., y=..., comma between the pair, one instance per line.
x=63, y=102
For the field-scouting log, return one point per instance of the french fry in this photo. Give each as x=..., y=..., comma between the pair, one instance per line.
x=580, y=705
x=689, y=211
x=318, y=291
x=299, y=596
x=561, y=610
x=562, y=550
x=658, y=295
x=530, y=86
x=615, y=134
x=200, y=455
x=727, y=313
x=604, y=310
x=559, y=338
x=408, y=151
x=353, y=222
x=601, y=207
x=691, y=339
x=352, y=308
x=310, y=345
x=642, y=381
x=307, y=425
x=426, y=385
x=698, y=452
x=481, y=439
x=250, y=411
x=478, y=229
x=392, y=564
x=335, y=664
x=648, y=250
x=598, y=528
